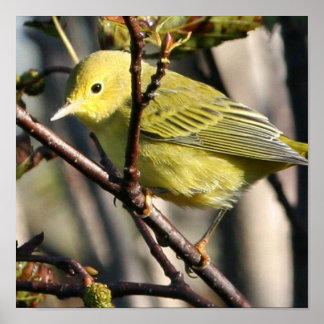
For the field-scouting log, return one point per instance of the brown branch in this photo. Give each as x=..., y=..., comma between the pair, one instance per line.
x=47, y=137
x=178, y=285
x=131, y=172
x=114, y=173
x=139, y=100
x=161, y=64
x=160, y=224
x=178, y=289
x=209, y=274
x=156, y=250
x=120, y=289
x=30, y=246
x=133, y=288
x=61, y=291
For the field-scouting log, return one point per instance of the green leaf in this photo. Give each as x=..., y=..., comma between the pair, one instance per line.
x=23, y=167
x=208, y=31
x=205, y=32
x=32, y=271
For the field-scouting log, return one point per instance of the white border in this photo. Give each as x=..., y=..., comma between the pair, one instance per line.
x=13, y=8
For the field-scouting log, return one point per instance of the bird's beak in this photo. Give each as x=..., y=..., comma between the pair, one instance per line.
x=67, y=109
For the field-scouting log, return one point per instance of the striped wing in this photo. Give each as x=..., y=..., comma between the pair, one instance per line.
x=208, y=120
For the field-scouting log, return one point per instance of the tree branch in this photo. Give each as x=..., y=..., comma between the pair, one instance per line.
x=120, y=289
x=156, y=220
x=178, y=285
x=131, y=172
x=61, y=291
x=131, y=288
x=47, y=137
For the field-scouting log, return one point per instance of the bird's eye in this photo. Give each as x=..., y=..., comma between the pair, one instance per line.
x=96, y=88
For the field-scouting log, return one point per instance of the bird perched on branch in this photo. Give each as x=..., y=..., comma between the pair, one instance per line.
x=198, y=148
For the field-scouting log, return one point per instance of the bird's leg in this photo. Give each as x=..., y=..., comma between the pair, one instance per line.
x=149, y=192
x=147, y=202
x=202, y=243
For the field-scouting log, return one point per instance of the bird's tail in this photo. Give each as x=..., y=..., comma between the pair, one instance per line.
x=301, y=148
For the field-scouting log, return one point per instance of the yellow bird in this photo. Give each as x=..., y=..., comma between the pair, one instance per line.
x=198, y=148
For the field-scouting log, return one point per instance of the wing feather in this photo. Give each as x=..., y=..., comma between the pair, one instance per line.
x=208, y=120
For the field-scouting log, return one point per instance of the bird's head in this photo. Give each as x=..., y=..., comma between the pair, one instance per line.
x=97, y=86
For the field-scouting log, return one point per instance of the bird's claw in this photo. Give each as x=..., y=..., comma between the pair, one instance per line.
x=205, y=258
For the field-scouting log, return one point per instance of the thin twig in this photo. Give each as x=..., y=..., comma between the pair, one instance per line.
x=61, y=291
x=47, y=71
x=133, y=288
x=28, y=247
x=178, y=284
x=65, y=40
x=131, y=172
x=162, y=64
x=156, y=250
x=114, y=173
x=120, y=289
x=140, y=100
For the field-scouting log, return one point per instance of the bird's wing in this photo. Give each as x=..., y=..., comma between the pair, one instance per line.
x=206, y=119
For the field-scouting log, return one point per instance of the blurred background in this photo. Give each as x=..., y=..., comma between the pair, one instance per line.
x=255, y=245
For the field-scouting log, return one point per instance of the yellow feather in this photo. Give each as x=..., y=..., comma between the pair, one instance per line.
x=198, y=147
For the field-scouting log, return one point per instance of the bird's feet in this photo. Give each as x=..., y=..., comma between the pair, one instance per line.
x=205, y=258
